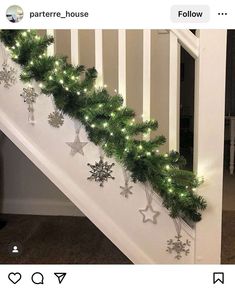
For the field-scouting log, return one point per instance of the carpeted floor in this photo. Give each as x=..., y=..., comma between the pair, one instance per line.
x=57, y=240
x=228, y=238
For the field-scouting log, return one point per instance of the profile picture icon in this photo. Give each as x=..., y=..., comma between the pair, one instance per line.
x=14, y=13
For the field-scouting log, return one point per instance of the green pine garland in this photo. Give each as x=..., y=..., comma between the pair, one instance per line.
x=108, y=123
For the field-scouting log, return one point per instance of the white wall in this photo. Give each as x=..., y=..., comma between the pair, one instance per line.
x=25, y=189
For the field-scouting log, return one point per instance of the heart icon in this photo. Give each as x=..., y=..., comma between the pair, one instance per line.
x=14, y=277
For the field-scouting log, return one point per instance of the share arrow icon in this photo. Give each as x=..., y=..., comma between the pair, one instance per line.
x=60, y=276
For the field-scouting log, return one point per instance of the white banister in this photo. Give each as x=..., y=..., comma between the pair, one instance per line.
x=146, y=73
x=174, y=88
x=99, y=56
x=51, y=48
x=209, y=113
x=122, y=63
x=188, y=40
x=74, y=47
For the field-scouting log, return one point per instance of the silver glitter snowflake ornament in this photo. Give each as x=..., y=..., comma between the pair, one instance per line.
x=101, y=172
x=29, y=95
x=7, y=75
x=178, y=247
x=56, y=119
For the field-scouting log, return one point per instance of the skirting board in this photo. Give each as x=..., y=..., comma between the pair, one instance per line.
x=39, y=207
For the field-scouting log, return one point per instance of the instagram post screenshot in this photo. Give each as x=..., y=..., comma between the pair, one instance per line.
x=117, y=145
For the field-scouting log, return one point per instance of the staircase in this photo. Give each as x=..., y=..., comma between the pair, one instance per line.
x=168, y=241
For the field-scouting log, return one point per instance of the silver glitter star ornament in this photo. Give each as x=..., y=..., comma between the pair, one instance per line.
x=7, y=75
x=77, y=145
x=149, y=215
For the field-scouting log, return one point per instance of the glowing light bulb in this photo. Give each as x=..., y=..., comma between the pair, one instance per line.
x=140, y=147
x=55, y=70
x=57, y=63
x=78, y=93
x=167, y=167
x=50, y=78
x=24, y=33
x=127, y=137
x=41, y=85
x=31, y=63
x=105, y=124
x=148, y=154
x=86, y=117
x=123, y=129
x=100, y=105
x=64, y=72
x=157, y=151
x=115, y=90
x=182, y=194
x=72, y=77
x=17, y=44
x=166, y=155
x=112, y=114
x=105, y=85
x=85, y=90
x=66, y=88
x=170, y=190
x=194, y=189
x=61, y=81
x=111, y=133
x=169, y=180
x=93, y=126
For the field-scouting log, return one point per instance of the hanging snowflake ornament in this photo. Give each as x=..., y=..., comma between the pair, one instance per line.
x=56, y=119
x=178, y=247
x=126, y=190
x=7, y=75
x=101, y=172
x=29, y=95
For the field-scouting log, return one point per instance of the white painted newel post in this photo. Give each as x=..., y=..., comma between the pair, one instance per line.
x=209, y=140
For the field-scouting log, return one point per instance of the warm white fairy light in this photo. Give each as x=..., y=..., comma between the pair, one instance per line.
x=169, y=180
x=127, y=137
x=41, y=85
x=112, y=114
x=86, y=117
x=85, y=90
x=55, y=70
x=65, y=73
x=167, y=167
x=37, y=37
x=72, y=78
x=31, y=63
x=50, y=78
x=93, y=125
x=66, y=88
x=57, y=63
x=182, y=194
x=105, y=124
x=157, y=151
x=148, y=154
x=166, y=155
x=24, y=33
x=170, y=190
x=78, y=93
x=140, y=147
x=17, y=44
x=111, y=133
x=105, y=85
x=123, y=129
x=61, y=81
x=100, y=105
x=115, y=90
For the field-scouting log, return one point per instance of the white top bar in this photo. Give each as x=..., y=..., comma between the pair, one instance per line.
x=51, y=48
x=99, y=56
x=122, y=63
x=146, y=73
x=74, y=47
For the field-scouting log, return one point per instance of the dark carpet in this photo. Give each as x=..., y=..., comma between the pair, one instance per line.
x=228, y=238
x=57, y=240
